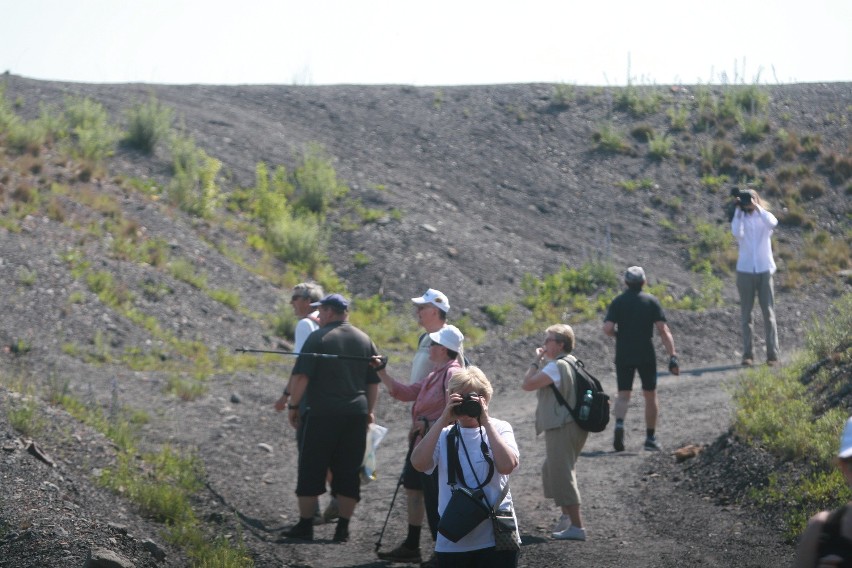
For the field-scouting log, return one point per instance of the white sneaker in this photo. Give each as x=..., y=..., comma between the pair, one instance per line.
x=571, y=533
x=564, y=523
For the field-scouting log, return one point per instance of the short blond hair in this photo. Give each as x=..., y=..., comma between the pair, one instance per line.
x=471, y=378
x=563, y=333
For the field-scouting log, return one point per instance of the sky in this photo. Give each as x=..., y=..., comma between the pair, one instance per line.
x=440, y=42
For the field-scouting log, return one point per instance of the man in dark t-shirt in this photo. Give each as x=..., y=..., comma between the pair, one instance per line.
x=341, y=393
x=631, y=319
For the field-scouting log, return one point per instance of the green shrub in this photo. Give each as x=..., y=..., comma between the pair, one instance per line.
x=299, y=240
x=93, y=136
x=712, y=249
x=754, y=128
x=498, y=313
x=194, y=184
x=832, y=330
x=660, y=147
x=316, y=181
x=678, y=118
x=563, y=95
x=226, y=297
x=147, y=125
x=638, y=102
x=609, y=139
x=184, y=270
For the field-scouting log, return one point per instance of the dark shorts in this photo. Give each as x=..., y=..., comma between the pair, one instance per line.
x=624, y=375
x=411, y=478
x=332, y=443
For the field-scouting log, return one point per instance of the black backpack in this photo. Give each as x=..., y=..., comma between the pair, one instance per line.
x=598, y=416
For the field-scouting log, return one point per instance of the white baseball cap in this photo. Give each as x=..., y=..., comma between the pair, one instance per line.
x=434, y=297
x=449, y=336
x=846, y=441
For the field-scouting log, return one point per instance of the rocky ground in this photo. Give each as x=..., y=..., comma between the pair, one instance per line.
x=493, y=183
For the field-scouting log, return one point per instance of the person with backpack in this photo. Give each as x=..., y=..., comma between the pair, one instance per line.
x=631, y=319
x=827, y=540
x=563, y=438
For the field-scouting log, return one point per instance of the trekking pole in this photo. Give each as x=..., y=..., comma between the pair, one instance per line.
x=297, y=354
x=393, y=499
x=387, y=517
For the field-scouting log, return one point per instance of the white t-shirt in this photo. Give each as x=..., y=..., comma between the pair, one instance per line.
x=483, y=535
x=551, y=369
x=421, y=365
x=304, y=328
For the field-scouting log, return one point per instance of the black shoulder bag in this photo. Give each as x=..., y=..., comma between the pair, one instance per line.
x=467, y=508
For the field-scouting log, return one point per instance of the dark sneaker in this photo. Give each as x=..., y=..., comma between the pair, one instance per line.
x=618, y=440
x=402, y=554
x=341, y=534
x=431, y=563
x=302, y=531
x=652, y=445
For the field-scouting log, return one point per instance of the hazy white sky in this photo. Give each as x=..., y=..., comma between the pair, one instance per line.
x=440, y=42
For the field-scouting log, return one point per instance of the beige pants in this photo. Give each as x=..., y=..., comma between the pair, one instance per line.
x=563, y=446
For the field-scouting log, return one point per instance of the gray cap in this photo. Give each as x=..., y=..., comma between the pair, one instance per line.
x=634, y=275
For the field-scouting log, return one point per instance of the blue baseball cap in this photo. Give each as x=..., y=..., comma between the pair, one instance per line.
x=335, y=300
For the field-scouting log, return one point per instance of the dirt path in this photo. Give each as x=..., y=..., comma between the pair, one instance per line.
x=636, y=513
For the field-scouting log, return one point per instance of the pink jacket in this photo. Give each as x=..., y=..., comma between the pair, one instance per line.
x=429, y=395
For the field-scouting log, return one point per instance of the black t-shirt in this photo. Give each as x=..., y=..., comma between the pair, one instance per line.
x=635, y=314
x=337, y=386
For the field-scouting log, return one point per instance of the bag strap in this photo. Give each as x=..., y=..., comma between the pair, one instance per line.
x=455, y=474
x=499, y=500
x=559, y=398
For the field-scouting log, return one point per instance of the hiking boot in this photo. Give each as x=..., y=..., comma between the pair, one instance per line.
x=772, y=362
x=747, y=362
x=618, y=440
x=341, y=534
x=652, y=445
x=402, y=554
x=571, y=533
x=431, y=563
x=331, y=512
x=301, y=530
x=563, y=523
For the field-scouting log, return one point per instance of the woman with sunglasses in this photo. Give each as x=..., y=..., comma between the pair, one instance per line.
x=430, y=398
x=563, y=439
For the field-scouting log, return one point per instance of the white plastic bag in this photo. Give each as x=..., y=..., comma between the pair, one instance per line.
x=375, y=434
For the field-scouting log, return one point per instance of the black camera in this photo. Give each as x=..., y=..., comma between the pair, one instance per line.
x=470, y=406
x=744, y=196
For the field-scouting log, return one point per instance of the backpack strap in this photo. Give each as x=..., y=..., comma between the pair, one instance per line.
x=559, y=398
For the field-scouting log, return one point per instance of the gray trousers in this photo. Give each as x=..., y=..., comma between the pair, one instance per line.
x=748, y=285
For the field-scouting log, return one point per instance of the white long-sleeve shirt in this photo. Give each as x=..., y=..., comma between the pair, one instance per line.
x=753, y=232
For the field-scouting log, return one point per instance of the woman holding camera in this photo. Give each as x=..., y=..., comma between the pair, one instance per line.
x=563, y=439
x=469, y=447
x=752, y=226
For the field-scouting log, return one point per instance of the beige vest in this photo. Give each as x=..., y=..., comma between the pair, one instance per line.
x=549, y=413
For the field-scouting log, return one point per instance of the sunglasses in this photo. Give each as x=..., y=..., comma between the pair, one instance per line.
x=435, y=344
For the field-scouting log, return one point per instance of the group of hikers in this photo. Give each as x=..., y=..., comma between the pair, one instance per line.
x=459, y=460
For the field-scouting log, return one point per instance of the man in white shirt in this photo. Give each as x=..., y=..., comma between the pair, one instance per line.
x=752, y=226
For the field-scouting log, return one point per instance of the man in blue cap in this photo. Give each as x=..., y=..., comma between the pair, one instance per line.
x=341, y=394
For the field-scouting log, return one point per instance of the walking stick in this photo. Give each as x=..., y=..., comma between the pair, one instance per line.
x=393, y=499
x=297, y=354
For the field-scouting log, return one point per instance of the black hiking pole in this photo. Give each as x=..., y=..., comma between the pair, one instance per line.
x=393, y=499
x=297, y=354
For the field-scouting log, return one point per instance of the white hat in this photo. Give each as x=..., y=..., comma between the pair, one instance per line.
x=634, y=275
x=449, y=336
x=846, y=441
x=434, y=297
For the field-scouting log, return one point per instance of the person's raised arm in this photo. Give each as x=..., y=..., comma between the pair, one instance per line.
x=505, y=458
x=534, y=379
x=421, y=455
